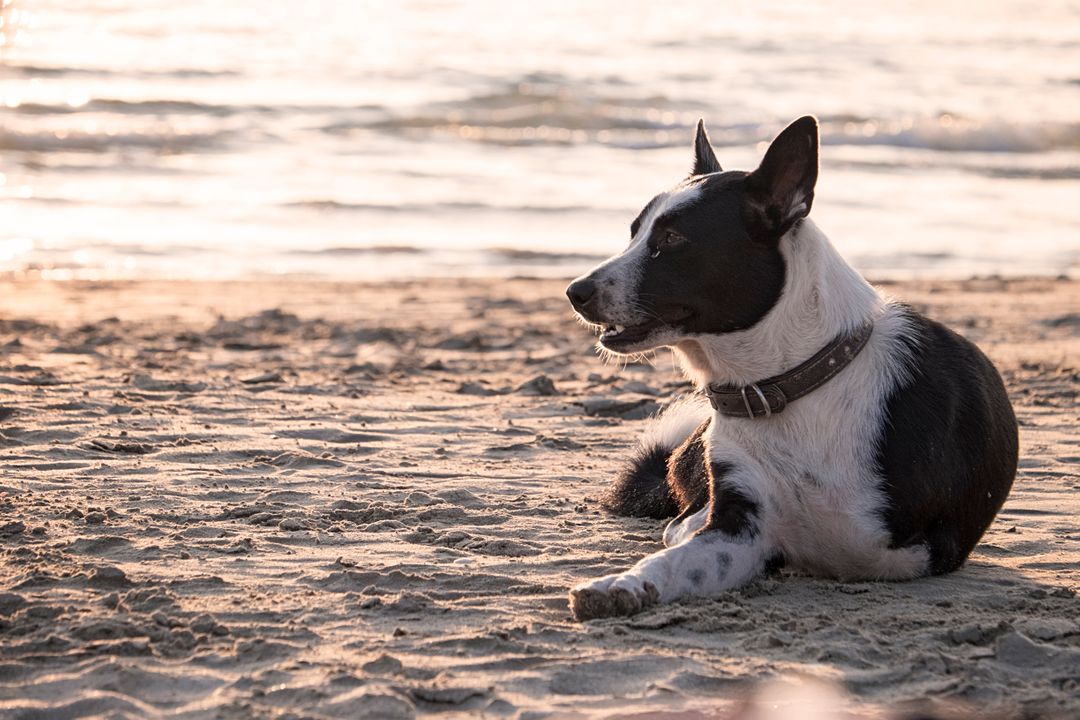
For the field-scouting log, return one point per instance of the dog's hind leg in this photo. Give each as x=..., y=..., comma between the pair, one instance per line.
x=641, y=488
x=657, y=483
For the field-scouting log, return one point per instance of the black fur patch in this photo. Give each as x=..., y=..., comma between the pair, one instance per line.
x=641, y=489
x=687, y=475
x=730, y=511
x=721, y=278
x=723, y=564
x=948, y=452
x=704, y=158
x=782, y=188
x=774, y=564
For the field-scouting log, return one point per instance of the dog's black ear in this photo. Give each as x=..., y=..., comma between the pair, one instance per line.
x=781, y=190
x=705, y=161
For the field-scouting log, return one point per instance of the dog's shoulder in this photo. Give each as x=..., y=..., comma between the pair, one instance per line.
x=941, y=368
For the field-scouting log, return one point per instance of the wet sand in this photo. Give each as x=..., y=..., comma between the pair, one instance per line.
x=249, y=500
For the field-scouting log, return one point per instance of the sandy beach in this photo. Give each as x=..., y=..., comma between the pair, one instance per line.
x=288, y=499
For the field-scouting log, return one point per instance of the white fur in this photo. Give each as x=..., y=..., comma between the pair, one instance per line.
x=676, y=423
x=696, y=566
x=810, y=468
x=679, y=530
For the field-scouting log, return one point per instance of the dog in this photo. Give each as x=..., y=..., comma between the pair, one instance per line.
x=836, y=432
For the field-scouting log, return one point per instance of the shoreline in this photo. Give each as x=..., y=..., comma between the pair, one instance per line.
x=245, y=498
x=229, y=293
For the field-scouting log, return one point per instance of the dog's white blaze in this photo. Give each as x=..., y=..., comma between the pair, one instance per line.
x=618, y=278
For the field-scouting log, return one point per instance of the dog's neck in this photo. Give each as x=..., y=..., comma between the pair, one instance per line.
x=823, y=297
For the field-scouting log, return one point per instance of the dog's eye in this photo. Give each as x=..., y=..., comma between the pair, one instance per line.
x=669, y=239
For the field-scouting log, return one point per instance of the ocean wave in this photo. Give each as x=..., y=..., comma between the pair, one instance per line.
x=548, y=109
x=366, y=250
x=540, y=257
x=947, y=133
x=548, y=112
x=1007, y=169
x=538, y=109
x=463, y=206
x=168, y=106
x=30, y=70
x=139, y=107
x=150, y=251
x=80, y=141
x=492, y=255
x=1071, y=172
x=644, y=130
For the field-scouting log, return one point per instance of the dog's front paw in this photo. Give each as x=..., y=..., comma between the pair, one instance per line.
x=612, y=596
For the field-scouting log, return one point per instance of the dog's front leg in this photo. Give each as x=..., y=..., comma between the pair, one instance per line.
x=704, y=565
x=726, y=551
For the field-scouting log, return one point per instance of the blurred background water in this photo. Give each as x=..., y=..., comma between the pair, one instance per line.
x=411, y=137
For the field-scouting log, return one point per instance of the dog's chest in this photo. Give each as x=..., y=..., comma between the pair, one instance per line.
x=813, y=472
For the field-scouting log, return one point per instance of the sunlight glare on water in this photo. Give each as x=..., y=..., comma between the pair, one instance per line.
x=343, y=139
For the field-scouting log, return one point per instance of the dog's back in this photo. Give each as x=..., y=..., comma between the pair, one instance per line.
x=948, y=448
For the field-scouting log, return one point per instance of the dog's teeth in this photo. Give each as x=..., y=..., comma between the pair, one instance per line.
x=619, y=329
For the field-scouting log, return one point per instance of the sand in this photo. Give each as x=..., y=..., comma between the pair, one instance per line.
x=249, y=500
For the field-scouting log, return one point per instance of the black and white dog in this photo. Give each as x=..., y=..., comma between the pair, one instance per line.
x=837, y=432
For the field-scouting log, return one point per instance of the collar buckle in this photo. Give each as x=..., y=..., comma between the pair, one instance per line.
x=746, y=401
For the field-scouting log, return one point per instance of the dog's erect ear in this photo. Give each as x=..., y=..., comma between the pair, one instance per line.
x=782, y=188
x=705, y=161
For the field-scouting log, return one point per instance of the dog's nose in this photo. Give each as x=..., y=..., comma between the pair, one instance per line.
x=581, y=292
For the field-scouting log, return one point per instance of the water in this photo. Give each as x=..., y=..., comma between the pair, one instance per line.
x=358, y=139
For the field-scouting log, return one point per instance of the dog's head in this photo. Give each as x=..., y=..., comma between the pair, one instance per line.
x=704, y=257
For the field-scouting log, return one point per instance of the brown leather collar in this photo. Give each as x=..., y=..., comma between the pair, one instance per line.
x=768, y=397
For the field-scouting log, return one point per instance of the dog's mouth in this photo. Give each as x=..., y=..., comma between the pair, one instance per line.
x=615, y=337
x=623, y=338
